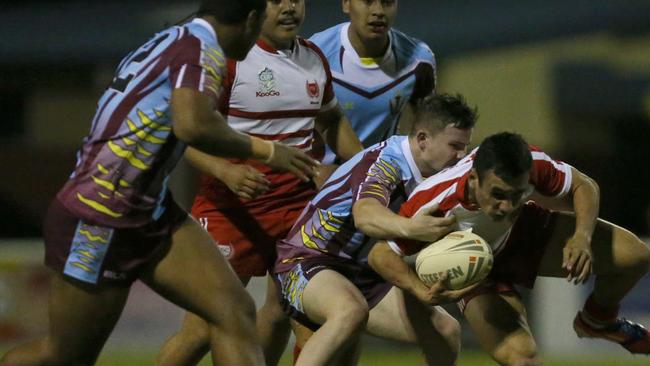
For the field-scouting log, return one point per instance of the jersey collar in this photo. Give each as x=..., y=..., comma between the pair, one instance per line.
x=406, y=150
x=270, y=49
x=354, y=56
x=204, y=23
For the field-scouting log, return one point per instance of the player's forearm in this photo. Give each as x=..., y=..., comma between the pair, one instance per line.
x=197, y=124
x=346, y=141
x=207, y=164
x=338, y=133
x=586, y=203
x=377, y=221
x=391, y=266
x=217, y=138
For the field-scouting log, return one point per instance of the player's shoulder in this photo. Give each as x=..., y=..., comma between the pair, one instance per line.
x=410, y=47
x=328, y=40
x=317, y=55
x=446, y=178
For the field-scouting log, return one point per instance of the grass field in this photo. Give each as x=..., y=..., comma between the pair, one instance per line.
x=400, y=357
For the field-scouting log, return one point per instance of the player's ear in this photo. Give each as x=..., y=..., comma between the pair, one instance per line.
x=473, y=178
x=421, y=136
x=345, y=5
x=254, y=22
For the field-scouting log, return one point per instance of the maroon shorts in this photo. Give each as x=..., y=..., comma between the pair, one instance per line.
x=247, y=240
x=100, y=255
x=292, y=284
x=518, y=262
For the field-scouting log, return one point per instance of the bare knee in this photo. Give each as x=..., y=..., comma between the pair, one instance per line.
x=352, y=319
x=518, y=355
x=272, y=311
x=196, y=331
x=449, y=329
x=638, y=255
x=234, y=309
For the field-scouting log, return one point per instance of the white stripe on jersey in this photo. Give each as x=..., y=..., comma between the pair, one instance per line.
x=563, y=167
x=439, y=198
x=270, y=127
x=447, y=174
x=179, y=81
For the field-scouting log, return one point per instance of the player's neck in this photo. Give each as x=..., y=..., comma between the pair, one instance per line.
x=277, y=44
x=469, y=195
x=424, y=169
x=374, y=48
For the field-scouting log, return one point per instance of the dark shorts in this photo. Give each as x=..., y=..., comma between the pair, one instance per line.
x=292, y=284
x=518, y=262
x=98, y=255
x=247, y=240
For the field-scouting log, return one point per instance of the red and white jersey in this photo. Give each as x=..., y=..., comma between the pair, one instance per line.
x=274, y=95
x=447, y=189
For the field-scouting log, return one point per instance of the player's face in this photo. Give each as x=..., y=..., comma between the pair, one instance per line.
x=371, y=19
x=283, y=21
x=442, y=149
x=500, y=199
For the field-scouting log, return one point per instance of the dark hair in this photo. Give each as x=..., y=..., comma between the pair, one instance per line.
x=437, y=111
x=507, y=153
x=230, y=11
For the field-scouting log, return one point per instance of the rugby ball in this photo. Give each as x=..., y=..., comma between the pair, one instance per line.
x=464, y=256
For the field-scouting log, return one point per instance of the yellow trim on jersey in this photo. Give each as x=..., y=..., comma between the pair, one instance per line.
x=98, y=206
x=216, y=56
x=147, y=121
x=143, y=135
x=82, y=266
x=104, y=183
x=326, y=225
x=92, y=237
x=306, y=240
x=128, y=155
x=331, y=217
x=124, y=183
x=375, y=193
x=102, y=169
x=369, y=61
x=315, y=233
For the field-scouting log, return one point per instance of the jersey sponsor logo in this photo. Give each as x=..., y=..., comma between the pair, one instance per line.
x=267, y=84
x=312, y=89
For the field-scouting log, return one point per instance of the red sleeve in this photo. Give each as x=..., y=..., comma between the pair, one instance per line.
x=224, y=98
x=550, y=177
x=328, y=94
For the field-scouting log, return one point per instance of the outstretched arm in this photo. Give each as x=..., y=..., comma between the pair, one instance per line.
x=585, y=195
x=395, y=270
x=378, y=221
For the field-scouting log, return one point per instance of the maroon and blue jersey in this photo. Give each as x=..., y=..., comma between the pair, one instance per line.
x=125, y=161
x=385, y=172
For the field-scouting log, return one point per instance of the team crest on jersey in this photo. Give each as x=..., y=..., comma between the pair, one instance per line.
x=312, y=89
x=267, y=84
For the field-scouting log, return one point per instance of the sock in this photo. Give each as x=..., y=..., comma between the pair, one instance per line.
x=598, y=316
